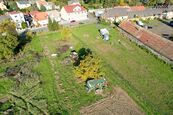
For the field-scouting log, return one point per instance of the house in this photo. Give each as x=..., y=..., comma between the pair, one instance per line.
x=168, y=15
x=23, y=4
x=118, y=14
x=39, y=18
x=17, y=17
x=2, y=6
x=47, y=5
x=74, y=12
x=54, y=15
x=73, y=2
x=115, y=14
x=156, y=44
x=32, y=1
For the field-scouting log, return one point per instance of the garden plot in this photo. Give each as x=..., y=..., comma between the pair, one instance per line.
x=118, y=103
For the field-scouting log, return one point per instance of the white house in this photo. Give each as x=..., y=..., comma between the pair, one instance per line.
x=168, y=15
x=23, y=4
x=74, y=12
x=2, y=6
x=47, y=5
x=54, y=15
x=18, y=18
x=39, y=18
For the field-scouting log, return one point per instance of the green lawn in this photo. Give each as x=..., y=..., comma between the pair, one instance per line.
x=146, y=79
x=146, y=75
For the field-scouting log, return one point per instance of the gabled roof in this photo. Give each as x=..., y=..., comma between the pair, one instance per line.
x=39, y=16
x=14, y=12
x=74, y=8
x=155, y=42
x=41, y=2
x=136, y=10
x=23, y=2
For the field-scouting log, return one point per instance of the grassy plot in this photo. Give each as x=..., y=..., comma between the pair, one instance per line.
x=48, y=84
x=61, y=89
x=138, y=70
x=146, y=79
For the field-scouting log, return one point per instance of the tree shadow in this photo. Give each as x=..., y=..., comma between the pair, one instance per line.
x=84, y=52
x=23, y=39
x=81, y=55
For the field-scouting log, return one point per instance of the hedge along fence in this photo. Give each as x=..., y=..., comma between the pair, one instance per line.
x=142, y=45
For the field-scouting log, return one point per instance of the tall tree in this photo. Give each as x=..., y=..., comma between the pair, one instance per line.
x=8, y=39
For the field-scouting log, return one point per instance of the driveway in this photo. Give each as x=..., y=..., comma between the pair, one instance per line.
x=161, y=28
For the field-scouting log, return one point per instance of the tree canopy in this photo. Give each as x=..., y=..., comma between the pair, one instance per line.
x=53, y=25
x=8, y=39
x=89, y=67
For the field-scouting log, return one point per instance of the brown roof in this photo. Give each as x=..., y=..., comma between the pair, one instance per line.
x=38, y=16
x=160, y=45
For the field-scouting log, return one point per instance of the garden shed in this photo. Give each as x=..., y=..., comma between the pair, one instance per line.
x=105, y=33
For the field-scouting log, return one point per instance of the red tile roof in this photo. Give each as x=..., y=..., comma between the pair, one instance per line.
x=160, y=45
x=41, y=2
x=38, y=16
x=137, y=8
x=14, y=12
x=73, y=8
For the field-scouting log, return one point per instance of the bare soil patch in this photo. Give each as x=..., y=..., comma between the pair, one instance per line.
x=118, y=103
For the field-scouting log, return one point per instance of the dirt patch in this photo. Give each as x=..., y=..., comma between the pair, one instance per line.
x=118, y=103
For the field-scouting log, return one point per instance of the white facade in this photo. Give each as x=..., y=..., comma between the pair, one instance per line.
x=40, y=22
x=76, y=15
x=23, y=5
x=54, y=15
x=47, y=5
x=168, y=15
x=18, y=18
x=2, y=6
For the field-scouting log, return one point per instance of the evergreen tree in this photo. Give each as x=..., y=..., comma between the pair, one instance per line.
x=43, y=9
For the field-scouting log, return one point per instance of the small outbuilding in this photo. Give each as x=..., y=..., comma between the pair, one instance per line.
x=96, y=84
x=105, y=33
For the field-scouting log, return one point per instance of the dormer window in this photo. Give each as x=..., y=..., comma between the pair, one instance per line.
x=77, y=8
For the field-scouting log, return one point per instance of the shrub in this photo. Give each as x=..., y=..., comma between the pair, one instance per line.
x=89, y=67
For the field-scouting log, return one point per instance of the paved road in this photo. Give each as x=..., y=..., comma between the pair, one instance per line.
x=91, y=19
x=161, y=28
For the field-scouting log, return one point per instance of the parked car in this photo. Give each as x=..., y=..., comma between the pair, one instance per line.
x=171, y=23
x=140, y=23
x=72, y=21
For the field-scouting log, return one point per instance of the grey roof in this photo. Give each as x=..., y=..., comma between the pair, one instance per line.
x=72, y=1
x=23, y=2
x=4, y=17
x=124, y=12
